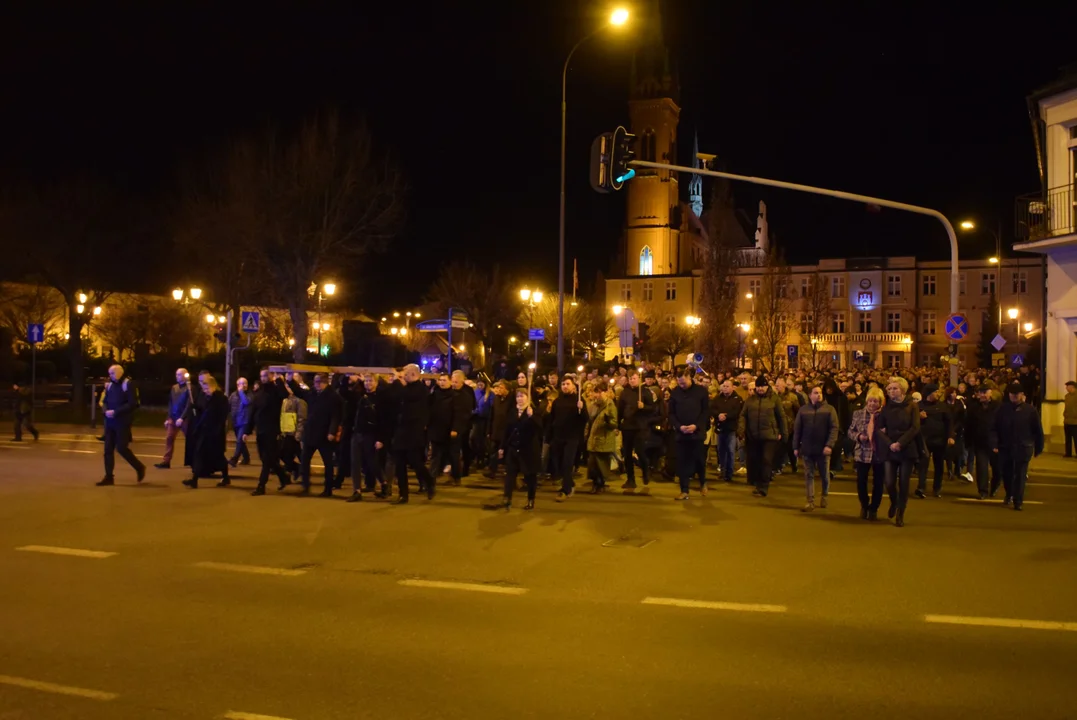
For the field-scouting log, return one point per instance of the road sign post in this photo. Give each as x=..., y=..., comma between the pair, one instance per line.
x=250, y=321
x=957, y=327
x=35, y=333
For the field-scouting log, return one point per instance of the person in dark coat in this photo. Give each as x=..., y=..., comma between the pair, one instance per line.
x=520, y=449
x=689, y=414
x=834, y=397
x=1016, y=437
x=501, y=405
x=636, y=408
x=980, y=419
x=409, y=436
x=815, y=435
x=463, y=404
x=896, y=432
x=564, y=429
x=120, y=403
x=350, y=389
x=24, y=411
x=178, y=398
x=726, y=407
x=369, y=438
x=209, y=428
x=439, y=431
x=265, y=421
x=937, y=430
x=321, y=432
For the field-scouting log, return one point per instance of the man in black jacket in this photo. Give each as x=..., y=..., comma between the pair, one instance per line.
x=264, y=420
x=321, y=432
x=980, y=420
x=937, y=429
x=121, y=401
x=463, y=404
x=409, y=436
x=1016, y=437
x=564, y=429
x=689, y=411
x=725, y=409
x=635, y=411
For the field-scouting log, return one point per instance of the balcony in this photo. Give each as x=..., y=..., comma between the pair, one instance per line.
x=897, y=338
x=1040, y=216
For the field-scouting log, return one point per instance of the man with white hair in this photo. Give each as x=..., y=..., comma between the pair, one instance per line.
x=120, y=403
x=409, y=438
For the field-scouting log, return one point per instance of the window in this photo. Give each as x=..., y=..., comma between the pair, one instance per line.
x=671, y=319
x=781, y=288
x=893, y=322
x=865, y=322
x=893, y=285
x=961, y=280
x=805, y=287
x=648, y=291
x=929, y=284
x=807, y=324
x=837, y=320
x=837, y=287
x=892, y=360
x=987, y=283
x=646, y=261
x=783, y=324
x=626, y=292
x=647, y=146
x=754, y=285
x=671, y=290
x=929, y=324
x=1020, y=282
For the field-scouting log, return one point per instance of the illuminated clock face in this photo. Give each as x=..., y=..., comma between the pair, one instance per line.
x=865, y=283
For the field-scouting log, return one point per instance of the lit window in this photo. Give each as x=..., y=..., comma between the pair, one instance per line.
x=646, y=261
x=837, y=287
x=648, y=291
x=626, y=292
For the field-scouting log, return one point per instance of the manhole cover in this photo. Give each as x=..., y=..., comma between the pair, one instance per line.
x=632, y=539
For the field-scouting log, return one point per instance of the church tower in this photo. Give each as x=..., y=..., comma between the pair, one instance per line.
x=651, y=240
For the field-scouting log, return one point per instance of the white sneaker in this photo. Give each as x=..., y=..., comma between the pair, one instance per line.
x=741, y=471
x=968, y=477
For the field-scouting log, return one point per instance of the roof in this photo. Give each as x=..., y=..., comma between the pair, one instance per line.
x=1067, y=80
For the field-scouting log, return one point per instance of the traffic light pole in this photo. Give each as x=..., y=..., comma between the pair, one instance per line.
x=955, y=281
x=228, y=356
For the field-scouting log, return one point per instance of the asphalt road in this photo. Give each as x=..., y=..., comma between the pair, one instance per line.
x=211, y=603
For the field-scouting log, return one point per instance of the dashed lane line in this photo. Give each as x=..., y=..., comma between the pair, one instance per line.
x=251, y=569
x=56, y=689
x=80, y=452
x=73, y=552
x=1002, y=622
x=710, y=605
x=1065, y=485
x=995, y=501
x=236, y=715
x=472, y=587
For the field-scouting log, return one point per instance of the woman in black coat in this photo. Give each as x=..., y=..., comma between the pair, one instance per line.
x=520, y=449
x=207, y=435
x=896, y=433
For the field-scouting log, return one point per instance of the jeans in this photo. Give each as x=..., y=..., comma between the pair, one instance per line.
x=877, y=481
x=241, y=448
x=897, y=477
x=727, y=449
x=690, y=461
x=813, y=464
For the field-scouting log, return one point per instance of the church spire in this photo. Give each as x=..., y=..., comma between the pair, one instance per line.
x=695, y=185
x=653, y=75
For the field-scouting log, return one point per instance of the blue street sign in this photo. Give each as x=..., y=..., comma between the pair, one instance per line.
x=957, y=327
x=432, y=326
x=536, y=334
x=1017, y=361
x=792, y=350
x=251, y=321
x=35, y=333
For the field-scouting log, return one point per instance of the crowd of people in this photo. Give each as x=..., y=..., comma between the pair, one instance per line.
x=889, y=424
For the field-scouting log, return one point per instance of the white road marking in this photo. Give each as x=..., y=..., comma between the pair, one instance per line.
x=81, y=452
x=235, y=715
x=709, y=605
x=1065, y=485
x=996, y=502
x=1002, y=622
x=251, y=569
x=99, y=554
x=841, y=493
x=473, y=587
x=58, y=689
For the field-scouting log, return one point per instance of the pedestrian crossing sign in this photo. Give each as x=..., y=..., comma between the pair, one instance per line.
x=251, y=321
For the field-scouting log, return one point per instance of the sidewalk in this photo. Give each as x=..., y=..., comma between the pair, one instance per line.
x=85, y=432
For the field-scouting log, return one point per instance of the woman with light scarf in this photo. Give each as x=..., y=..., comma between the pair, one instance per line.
x=862, y=433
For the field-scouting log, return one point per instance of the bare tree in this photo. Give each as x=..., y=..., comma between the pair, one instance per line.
x=772, y=308
x=718, y=339
x=122, y=329
x=486, y=297
x=673, y=339
x=817, y=306
x=24, y=304
x=579, y=319
x=302, y=210
x=68, y=237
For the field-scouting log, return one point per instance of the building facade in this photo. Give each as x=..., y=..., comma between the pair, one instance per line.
x=1047, y=225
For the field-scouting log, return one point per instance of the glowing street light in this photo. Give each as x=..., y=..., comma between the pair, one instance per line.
x=97, y=310
x=968, y=225
x=1013, y=313
x=177, y=294
x=210, y=318
x=329, y=288
x=618, y=309
x=1028, y=327
x=692, y=320
x=619, y=16
x=80, y=308
x=993, y=260
x=82, y=299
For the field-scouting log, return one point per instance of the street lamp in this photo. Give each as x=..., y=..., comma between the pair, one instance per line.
x=692, y=321
x=1012, y=313
x=1028, y=327
x=617, y=19
x=326, y=289
x=509, y=344
x=533, y=298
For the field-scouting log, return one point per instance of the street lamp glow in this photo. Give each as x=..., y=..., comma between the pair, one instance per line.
x=325, y=326
x=463, y=348
x=512, y=340
x=408, y=313
x=747, y=296
x=746, y=327
x=222, y=319
x=177, y=294
x=579, y=368
x=993, y=260
x=418, y=315
x=97, y=310
x=80, y=308
x=82, y=299
x=393, y=331
x=619, y=16
x=329, y=288
x=1028, y=327
x=196, y=293
x=403, y=331
x=692, y=320
x=531, y=366
x=617, y=309
x=1012, y=312
x=968, y=225
x=396, y=314
x=210, y=318
x=536, y=296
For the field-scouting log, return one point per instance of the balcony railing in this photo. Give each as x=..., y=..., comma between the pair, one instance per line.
x=864, y=338
x=1040, y=216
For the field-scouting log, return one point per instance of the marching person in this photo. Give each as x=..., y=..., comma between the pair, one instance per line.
x=564, y=429
x=321, y=432
x=208, y=432
x=520, y=450
x=239, y=409
x=815, y=434
x=1016, y=437
x=24, y=413
x=409, y=436
x=120, y=403
x=635, y=409
x=689, y=413
x=862, y=433
x=726, y=407
x=896, y=436
x=762, y=425
x=602, y=438
x=265, y=421
x=368, y=440
x=179, y=398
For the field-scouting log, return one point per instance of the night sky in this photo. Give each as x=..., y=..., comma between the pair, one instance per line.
x=918, y=103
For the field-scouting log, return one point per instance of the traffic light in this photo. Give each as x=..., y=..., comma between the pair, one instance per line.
x=601, y=160
x=622, y=155
x=221, y=334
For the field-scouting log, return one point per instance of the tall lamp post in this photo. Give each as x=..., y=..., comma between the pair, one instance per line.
x=326, y=289
x=185, y=297
x=533, y=298
x=617, y=18
x=996, y=259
